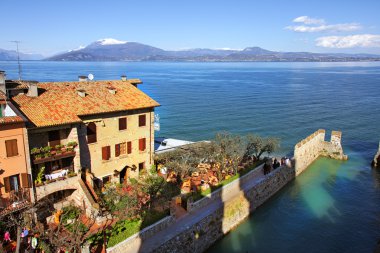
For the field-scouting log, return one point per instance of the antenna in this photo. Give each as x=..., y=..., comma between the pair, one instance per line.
x=18, y=58
x=90, y=77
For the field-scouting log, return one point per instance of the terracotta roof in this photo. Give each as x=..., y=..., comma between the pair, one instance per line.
x=10, y=120
x=17, y=84
x=59, y=103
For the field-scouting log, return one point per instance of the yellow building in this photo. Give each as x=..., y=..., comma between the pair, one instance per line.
x=110, y=121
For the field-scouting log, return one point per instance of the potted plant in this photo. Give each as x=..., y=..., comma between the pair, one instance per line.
x=72, y=144
x=38, y=181
x=38, y=156
x=35, y=151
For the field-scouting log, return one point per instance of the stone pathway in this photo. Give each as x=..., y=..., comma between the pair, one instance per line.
x=188, y=219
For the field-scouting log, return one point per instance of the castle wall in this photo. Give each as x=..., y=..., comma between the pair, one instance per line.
x=310, y=148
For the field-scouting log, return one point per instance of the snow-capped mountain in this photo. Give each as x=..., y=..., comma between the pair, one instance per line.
x=117, y=50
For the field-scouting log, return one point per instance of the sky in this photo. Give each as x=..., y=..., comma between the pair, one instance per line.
x=49, y=27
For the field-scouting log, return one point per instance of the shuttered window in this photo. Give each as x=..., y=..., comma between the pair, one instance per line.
x=117, y=150
x=106, y=152
x=26, y=180
x=120, y=149
x=7, y=184
x=11, y=147
x=142, y=120
x=142, y=144
x=91, y=132
x=122, y=124
x=129, y=147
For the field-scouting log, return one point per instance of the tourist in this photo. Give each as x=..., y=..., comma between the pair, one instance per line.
x=34, y=243
x=287, y=162
x=7, y=237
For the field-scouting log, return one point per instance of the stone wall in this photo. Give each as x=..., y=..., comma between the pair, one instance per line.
x=143, y=234
x=204, y=232
x=218, y=194
x=108, y=134
x=310, y=148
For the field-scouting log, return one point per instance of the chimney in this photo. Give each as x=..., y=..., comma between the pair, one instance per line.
x=2, y=82
x=81, y=93
x=111, y=89
x=123, y=78
x=82, y=78
x=32, y=89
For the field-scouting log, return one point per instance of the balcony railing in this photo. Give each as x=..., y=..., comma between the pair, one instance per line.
x=49, y=153
x=16, y=201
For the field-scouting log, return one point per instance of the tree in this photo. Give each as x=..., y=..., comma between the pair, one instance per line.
x=68, y=232
x=257, y=145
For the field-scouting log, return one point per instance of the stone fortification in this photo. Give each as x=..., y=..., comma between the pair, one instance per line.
x=215, y=224
x=310, y=148
x=376, y=159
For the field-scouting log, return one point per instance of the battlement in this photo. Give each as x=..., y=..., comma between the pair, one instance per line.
x=313, y=146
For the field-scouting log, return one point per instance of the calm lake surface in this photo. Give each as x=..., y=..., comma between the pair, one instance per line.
x=332, y=207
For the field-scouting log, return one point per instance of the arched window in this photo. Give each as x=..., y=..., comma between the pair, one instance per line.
x=91, y=132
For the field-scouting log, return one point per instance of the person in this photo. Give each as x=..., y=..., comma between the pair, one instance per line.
x=7, y=236
x=34, y=243
x=25, y=232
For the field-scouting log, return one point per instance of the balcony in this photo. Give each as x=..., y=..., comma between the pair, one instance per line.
x=15, y=202
x=50, y=154
x=60, y=180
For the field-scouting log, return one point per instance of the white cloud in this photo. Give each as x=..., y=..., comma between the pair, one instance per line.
x=326, y=28
x=308, y=21
x=359, y=40
x=319, y=25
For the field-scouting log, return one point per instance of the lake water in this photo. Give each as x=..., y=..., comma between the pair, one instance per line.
x=332, y=207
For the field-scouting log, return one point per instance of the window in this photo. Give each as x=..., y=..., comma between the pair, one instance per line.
x=122, y=124
x=141, y=166
x=91, y=132
x=120, y=149
x=106, y=152
x=12, y=183
x=11, y=147
x=142, y=120
x=142, y=144
x=129, y=147
x=54, y=138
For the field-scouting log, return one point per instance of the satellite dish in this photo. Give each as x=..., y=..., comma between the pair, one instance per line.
x=90, y=77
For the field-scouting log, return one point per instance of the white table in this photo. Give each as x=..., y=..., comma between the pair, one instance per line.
x=56, y=174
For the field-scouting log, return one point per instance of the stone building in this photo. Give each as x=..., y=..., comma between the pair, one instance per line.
x=104, y=128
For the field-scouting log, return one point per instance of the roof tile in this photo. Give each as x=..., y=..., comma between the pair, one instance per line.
x=59, y=103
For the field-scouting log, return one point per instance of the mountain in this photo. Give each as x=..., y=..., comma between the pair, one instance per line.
x=115, y=50
x=11, y=55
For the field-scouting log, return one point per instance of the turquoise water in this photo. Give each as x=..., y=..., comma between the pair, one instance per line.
x=333, y=206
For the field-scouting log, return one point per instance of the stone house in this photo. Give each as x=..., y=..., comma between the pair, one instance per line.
x=104, y=128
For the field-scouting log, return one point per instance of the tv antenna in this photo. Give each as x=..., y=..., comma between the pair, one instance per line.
x=18, y=58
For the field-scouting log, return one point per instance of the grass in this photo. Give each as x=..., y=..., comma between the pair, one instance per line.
x=121, y=230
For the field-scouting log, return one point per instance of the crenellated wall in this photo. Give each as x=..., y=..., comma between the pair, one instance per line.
x=313, y=146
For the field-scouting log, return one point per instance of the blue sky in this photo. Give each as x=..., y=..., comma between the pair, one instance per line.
x=49, y=27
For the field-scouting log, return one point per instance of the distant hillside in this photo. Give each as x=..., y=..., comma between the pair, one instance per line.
x=114, y=50
x=11, y=55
